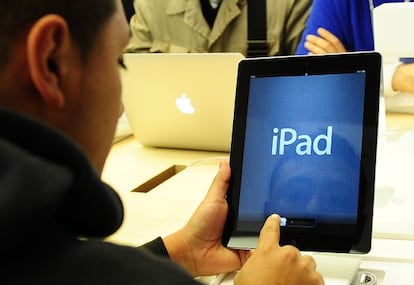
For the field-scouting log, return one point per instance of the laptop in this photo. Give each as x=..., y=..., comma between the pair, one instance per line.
x=181, y=100
x=393, y=37
x=393, y=29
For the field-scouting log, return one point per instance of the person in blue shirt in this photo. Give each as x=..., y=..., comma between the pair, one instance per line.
x=346, y=25
x=349, y=21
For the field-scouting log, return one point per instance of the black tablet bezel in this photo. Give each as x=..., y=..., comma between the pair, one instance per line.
x=311, y=240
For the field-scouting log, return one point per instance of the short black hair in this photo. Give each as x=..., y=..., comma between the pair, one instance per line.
x=85, y=18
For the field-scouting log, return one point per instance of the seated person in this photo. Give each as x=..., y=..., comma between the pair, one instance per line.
x=213, y=25
x=210, y=26
x=128, y=8
x=346, y=25
x=60, y=98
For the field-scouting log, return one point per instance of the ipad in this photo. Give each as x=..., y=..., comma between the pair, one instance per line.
x=304, y=147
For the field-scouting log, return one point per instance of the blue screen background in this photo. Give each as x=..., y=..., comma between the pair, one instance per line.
x=320, y=187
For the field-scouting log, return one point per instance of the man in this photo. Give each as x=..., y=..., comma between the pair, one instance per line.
x=336, y=26
x=59, y=103
x=213, y=25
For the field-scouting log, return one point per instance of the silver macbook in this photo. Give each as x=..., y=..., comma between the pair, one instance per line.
x=393, y=38
x=393, y=29
x=183, y=100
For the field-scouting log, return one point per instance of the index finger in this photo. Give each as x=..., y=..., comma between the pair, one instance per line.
x=270, y=232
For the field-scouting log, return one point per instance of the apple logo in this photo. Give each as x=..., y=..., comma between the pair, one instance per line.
x=184, y=104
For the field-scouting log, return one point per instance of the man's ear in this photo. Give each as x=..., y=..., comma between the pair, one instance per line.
x=48, y=47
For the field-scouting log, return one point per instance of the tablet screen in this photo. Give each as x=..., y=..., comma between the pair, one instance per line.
x=299, y=148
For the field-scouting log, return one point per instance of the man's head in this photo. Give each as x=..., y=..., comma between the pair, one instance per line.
x=84, y=18
x=61, y=65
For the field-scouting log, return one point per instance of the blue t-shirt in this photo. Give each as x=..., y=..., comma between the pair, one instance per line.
x=349, y=20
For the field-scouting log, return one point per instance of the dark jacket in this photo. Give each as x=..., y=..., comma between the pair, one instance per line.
x=55, y=212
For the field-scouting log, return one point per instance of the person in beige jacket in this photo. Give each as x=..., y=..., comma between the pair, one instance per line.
x=183, y=25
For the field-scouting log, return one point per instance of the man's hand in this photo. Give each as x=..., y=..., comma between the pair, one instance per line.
x=275, y=265
x=403, y=79
x=325, y=42
x=198, y=245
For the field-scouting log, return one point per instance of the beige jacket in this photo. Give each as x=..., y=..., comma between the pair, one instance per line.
x=179, y=26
